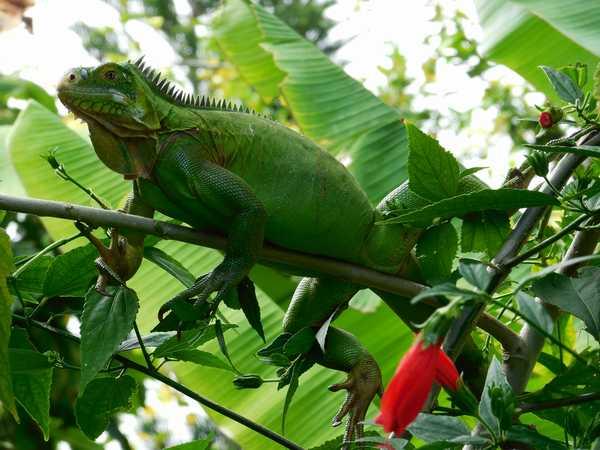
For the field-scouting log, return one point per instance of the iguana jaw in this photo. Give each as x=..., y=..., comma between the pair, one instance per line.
x=101, y=108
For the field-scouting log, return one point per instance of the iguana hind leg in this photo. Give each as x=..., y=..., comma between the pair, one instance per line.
x=314, y=300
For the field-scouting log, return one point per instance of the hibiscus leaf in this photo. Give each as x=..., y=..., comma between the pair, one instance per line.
x=432, y=428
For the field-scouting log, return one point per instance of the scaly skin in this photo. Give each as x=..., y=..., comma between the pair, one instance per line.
x=237, y=173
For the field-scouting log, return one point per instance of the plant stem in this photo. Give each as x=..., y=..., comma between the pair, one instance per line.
x=128, y=363
x=138, y=335
x=559, y=402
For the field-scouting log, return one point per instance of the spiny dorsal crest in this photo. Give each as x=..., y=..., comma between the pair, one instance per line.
x=171, y=93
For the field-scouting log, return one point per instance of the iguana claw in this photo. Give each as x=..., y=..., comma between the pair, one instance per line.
x=363, y=382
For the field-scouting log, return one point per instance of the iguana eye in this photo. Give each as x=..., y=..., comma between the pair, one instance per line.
x=110, y=75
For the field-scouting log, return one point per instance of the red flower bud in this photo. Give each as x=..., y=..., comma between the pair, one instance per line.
x=546, y=120
x=407, y=393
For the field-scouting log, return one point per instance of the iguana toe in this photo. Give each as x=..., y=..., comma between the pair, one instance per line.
x=363, y=382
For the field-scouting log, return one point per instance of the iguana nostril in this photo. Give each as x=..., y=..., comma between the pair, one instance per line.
x=72, y=77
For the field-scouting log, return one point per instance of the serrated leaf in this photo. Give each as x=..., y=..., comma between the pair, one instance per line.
x=6, y=268
x=495, y=378
x=291, y=390
x=170, y=265
x=30, y=282
x=189, y=339
x=31, y=374
x=578, y=296
x=105, y=323
x=475, y=272
x=150, y=340
x=432, y=428
x=250, y=308
x=563, y=85
x=470, y=171
x=201, y=358
x=584, y=150
x=222, y=343
x=533, y=439
x=436, y=249
x=535, y=312
x=71, y=274
x=100, y=400
x=433, y=172
x=300, y=342
x=483, y=200
x=484, y=232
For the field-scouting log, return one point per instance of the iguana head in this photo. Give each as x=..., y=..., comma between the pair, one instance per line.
x=115, y=96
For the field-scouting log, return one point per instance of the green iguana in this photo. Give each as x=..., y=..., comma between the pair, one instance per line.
x=218, y=167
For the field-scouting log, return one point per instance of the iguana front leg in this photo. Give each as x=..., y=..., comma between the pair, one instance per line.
x=230, y=198
x=122, y=258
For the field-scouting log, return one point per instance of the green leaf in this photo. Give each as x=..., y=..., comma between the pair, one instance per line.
x=329, y=106
x=71, y=274
x=30, y=282
x=6, y=268
x=484, y=232
x=486, y=199
x=291, y=390
x=300, y=342
x=250, y=308
x=475, y=273
x=201, y=358
x=105, y=323
x=189, y=339
x=202, y=444
x=170, y=265
x=524, y=34
x=31, y=374
x=578, y=296
x=470, y=171
x=584, y=150
x=150, y=340
x=100, y=400
x=533, y=439
x=535, y=312
x=432, y=428
x=222, y=343
x=495, y=379
x=433, y=171
x=436, y=249
x=563, y=85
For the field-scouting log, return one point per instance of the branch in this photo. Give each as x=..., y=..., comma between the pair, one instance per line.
x=463, y=326
x=169, y=382
x=559, y=402
x=518, y=367
x=270, y=254
x=298, y=263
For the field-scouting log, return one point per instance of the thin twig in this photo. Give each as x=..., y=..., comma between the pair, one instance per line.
x=559, y=402
x=171, y=383
x=138, y=335
x=516, y=260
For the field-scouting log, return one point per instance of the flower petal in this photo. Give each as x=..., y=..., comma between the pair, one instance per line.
x=446, y=373
x=407, y=393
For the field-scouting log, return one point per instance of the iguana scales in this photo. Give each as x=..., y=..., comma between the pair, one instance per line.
x=223, y=168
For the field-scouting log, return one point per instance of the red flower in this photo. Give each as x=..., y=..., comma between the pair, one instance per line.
x=407, y=393
x=546, y=120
